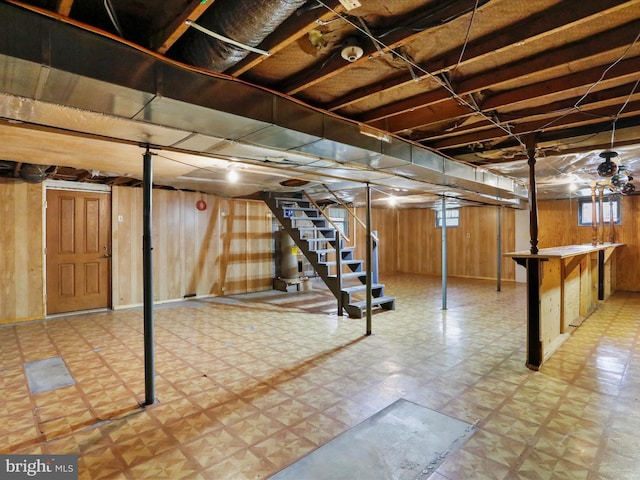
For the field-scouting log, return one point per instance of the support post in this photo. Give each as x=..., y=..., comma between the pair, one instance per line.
x=499, y=251
x=339, y=271
x=594, y=216
x=147, y=267
x=534, y=344
x=369, y=260
x=444, y=253
x=601, y=260
x=601, y=215
x=533, y=198
x=612, y=236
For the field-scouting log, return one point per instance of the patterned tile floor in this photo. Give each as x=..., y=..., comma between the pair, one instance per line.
x=247, y=385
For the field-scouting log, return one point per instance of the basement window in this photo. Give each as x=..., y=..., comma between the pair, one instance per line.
x=340, y=218
x=585, y=211
x=453, y=217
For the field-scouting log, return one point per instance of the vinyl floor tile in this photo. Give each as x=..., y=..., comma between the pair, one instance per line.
x=247, y=385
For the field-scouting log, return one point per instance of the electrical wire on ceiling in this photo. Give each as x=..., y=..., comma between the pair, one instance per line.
x=624, y=105
x=112, y=16
x=439, y=80
x=576, y=106
x=466, y=39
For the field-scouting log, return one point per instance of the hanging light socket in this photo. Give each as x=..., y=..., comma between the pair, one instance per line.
x=352, y=51
x=607, y=168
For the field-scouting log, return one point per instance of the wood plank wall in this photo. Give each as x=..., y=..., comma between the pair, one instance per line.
x=558, y=225
x=411, y=243
x=224, y=249
x=21, y=252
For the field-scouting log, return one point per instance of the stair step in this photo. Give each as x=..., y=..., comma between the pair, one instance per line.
x=361, y=288
x=386, y=301
x=346, y=276
x=343, y=262
x=301, y=209
x=322, y=251
x=316, y=229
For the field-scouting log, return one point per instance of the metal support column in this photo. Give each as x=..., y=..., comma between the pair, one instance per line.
x=147, y=267
x=339, y=271
x=444, y=253
x=369, y=260
x=499, y=251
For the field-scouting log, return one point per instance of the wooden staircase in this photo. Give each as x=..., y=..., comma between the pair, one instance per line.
x=319, y=241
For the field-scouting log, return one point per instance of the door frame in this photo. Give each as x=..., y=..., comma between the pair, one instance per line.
x=76, y=187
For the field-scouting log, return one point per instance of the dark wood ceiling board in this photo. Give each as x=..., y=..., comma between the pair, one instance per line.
x=533, y=108
x=527, y=71
x=167, y=35
x=623, y=72
x=394, y=40
x=432, y=114
x=571, y=120
x=494, y=44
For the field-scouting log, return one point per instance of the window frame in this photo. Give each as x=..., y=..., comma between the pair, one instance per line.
x=452, y=221
x=584, y=210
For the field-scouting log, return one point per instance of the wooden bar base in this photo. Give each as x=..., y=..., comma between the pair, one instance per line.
x=564, y=286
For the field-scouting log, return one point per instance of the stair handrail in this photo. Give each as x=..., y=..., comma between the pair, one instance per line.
x=346, y=207
x=313, y=202
x=339, y=236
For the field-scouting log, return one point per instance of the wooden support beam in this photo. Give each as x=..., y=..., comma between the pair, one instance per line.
x=165, y=39
x=63, y=7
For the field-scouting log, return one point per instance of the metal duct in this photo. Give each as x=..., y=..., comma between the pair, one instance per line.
x=31, y=173
x=142, y=98
x=245, y=21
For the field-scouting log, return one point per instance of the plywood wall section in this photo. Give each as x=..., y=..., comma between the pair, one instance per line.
x=22, y=252
x=472, y=248
x=223, y=249
x=411, y=243
x=385, y=223
x=558, y=225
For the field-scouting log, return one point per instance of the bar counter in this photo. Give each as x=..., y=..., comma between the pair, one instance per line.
x=564, y=286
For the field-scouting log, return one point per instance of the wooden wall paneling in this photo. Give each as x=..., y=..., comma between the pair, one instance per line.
x=207, y=268
x=126, y=246
x=233, y=267
x=260, y=273
x=558, y=222
x=167, y=248
x=627, y=258
x=508, y=242
x=419, y=242
x=22, y=252
x=200, y=244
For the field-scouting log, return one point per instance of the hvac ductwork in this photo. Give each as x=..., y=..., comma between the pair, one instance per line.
x=141, y=98
x=245, y=21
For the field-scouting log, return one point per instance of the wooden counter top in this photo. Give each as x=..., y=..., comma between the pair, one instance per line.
x=563, y=251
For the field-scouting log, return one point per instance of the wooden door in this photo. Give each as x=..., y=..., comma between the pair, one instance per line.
x=78, y=250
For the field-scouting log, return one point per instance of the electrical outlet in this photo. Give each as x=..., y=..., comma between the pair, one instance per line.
x=350, y=4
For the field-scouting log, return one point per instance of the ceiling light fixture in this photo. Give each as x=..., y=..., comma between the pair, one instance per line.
x=352, y=50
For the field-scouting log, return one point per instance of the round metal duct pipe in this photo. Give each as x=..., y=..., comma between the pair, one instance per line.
x=245, y=21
